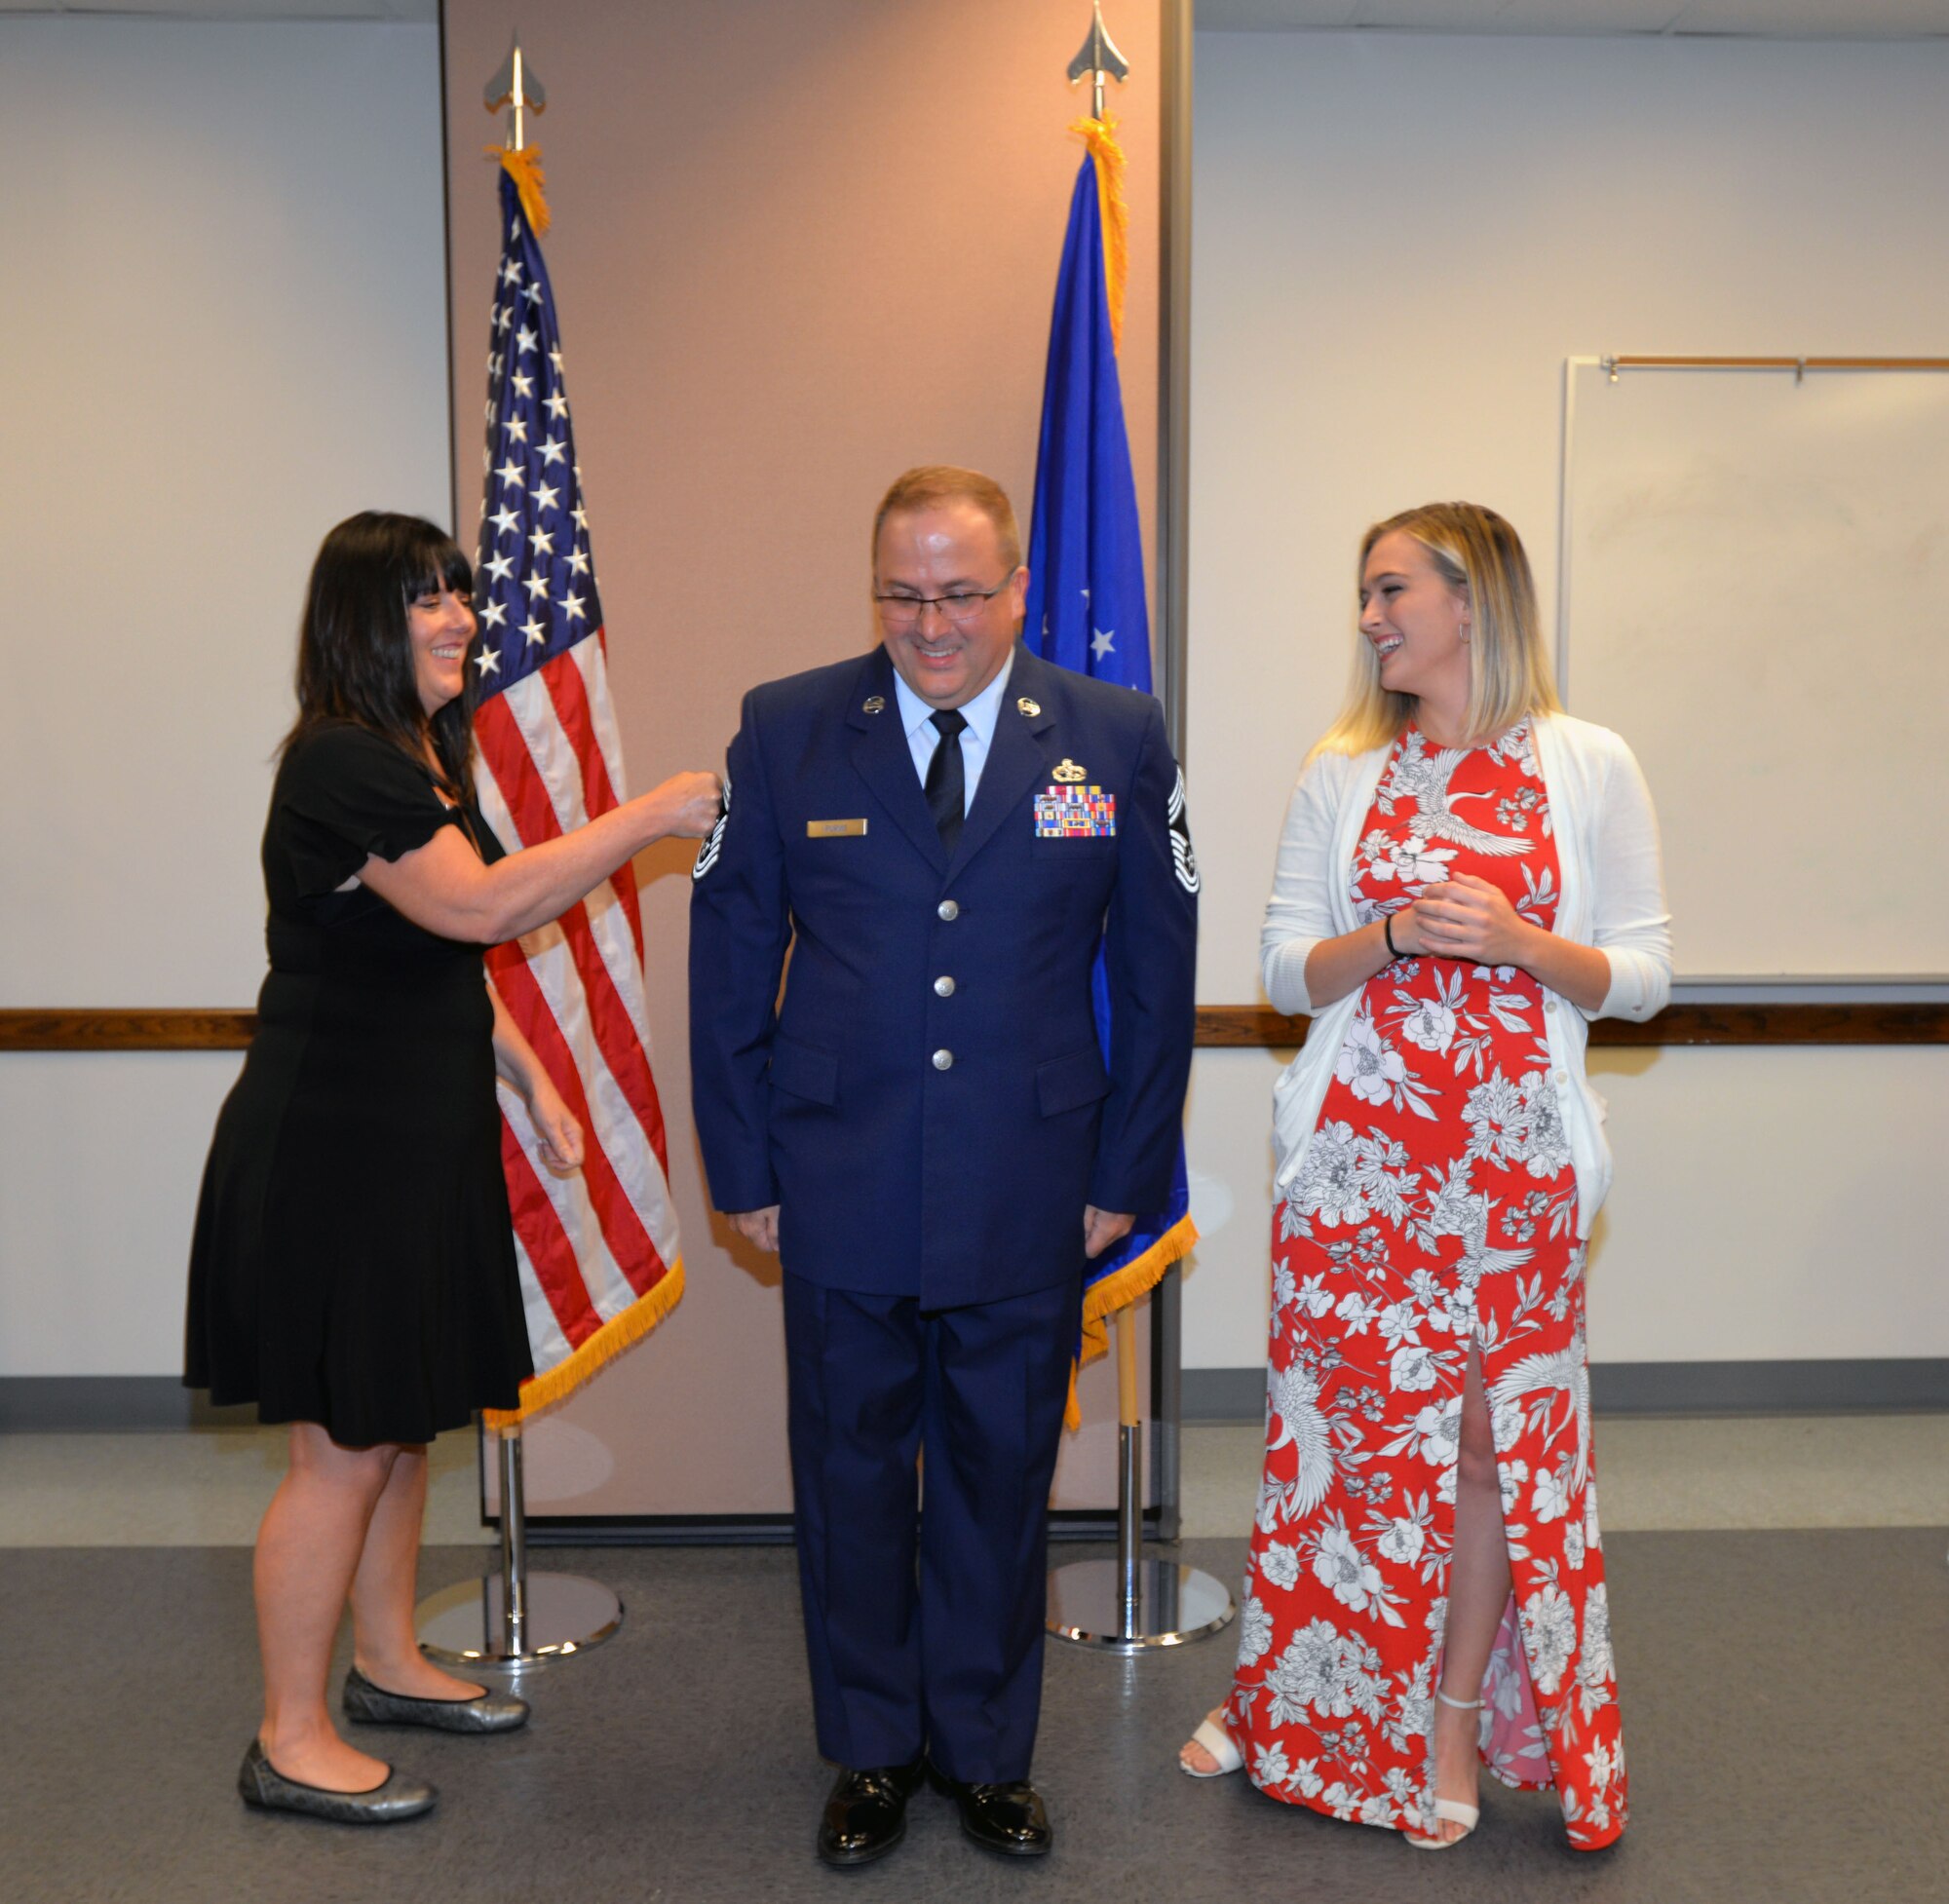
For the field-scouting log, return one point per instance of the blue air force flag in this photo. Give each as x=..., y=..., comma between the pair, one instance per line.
x=1086, y=604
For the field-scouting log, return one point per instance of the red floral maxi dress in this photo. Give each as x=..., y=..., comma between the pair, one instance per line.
x=1436, y=1202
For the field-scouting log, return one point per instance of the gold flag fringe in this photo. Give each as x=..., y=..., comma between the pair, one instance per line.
x=1137, y=1278
x=541, y=1393
x=1101, y=137
x=524, y=167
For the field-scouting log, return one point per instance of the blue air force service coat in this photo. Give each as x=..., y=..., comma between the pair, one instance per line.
x=929, y=1105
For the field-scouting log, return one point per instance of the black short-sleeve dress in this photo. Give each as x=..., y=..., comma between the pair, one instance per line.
x=353, y=1262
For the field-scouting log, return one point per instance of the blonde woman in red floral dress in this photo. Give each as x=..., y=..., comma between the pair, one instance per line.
x=1467, y=877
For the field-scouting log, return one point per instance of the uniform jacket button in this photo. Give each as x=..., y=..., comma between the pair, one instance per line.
x=944, y=1061
x=943, y=987
x=948, y=909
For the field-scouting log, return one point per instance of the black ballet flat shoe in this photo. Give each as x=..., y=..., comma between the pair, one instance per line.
x=486, y=1712
x=261, y=1784
x=1009, y=1819
x=866, y=1813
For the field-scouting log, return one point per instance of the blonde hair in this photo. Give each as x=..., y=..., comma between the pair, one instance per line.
x=934, y=484
x=1481, y=557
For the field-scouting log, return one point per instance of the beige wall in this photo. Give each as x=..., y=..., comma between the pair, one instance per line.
x=799, y=245
x=1399, y=239
x=225, y=312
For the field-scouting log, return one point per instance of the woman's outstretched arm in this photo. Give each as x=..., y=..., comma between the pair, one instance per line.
x=445, y=887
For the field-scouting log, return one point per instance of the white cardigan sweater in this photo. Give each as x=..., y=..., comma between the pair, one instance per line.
x=1613, y=897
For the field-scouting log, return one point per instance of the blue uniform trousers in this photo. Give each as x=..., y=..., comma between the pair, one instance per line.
x=923, y=1627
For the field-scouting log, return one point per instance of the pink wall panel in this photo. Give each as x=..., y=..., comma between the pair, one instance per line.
x=799, y=245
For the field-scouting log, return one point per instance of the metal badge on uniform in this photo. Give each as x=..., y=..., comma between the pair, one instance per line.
x=1075, y=812
x=875, y=704
x=1068, y=773
x=1029, y=708
x=834, y=829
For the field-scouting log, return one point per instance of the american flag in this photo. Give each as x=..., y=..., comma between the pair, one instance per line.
x=599, y=1249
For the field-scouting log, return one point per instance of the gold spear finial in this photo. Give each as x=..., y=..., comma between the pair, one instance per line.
x=516, y=84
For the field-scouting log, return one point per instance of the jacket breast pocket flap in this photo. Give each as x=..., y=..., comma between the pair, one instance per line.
x=804, y=1072
x=1070, y=1082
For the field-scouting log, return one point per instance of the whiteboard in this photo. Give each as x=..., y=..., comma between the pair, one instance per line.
x=1754, y=589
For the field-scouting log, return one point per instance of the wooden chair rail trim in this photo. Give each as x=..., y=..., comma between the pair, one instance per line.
x=1234, y=1027
x=1254, y=1026
x=157, y=1029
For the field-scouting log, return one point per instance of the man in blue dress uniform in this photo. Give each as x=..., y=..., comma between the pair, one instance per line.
x=927, y=1128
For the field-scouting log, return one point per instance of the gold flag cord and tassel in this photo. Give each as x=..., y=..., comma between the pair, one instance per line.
x=1137, y=1278
x=1101, y=137
x=524, y=167
x=541, y=1393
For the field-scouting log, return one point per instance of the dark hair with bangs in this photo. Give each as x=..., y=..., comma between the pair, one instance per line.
x=354, y=659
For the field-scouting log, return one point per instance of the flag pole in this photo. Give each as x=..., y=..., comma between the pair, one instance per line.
x=515, y=1618
x=1130, y=1604
x=1133, y=1603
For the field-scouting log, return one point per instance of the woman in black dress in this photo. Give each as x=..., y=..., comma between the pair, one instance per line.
x=353, y=1270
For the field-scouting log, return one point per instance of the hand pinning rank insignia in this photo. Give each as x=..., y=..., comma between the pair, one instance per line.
x=715, y=845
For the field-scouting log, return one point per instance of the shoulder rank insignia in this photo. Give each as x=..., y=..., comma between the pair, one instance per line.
x=1184, y=861
x=1068, y=773
x=875, y=704
x=715, y=845
x=1029, y=708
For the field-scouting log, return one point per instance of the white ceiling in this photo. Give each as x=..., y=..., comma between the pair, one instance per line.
x=1864, y=20
x=236, y=9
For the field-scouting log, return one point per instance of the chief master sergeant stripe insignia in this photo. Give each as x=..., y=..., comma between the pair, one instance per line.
x=1184, y=861
x=715, y=845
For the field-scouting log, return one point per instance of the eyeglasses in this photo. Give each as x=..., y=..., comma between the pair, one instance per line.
x=962, y=606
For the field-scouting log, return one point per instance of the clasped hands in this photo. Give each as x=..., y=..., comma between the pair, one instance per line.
x=1101, y=1228
x=1464, y=918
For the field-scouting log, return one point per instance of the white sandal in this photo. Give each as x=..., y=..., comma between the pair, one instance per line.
x=1216, y=1740
x=1452, y=1810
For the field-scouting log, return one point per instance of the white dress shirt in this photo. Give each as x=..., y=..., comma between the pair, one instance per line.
x=982, y=713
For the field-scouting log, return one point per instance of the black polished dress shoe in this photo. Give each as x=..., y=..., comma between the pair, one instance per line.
x=1008, y=1818
x=486, y=1712
x=866, y=1813
x=260, y=1783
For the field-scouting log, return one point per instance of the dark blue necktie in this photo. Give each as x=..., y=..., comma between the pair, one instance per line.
x=946, y=784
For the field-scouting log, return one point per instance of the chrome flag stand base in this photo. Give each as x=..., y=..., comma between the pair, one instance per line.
x=1130, y=1604
x=515, y=1618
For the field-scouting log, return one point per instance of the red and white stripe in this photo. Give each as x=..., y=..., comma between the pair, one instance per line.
x=592, y=1245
